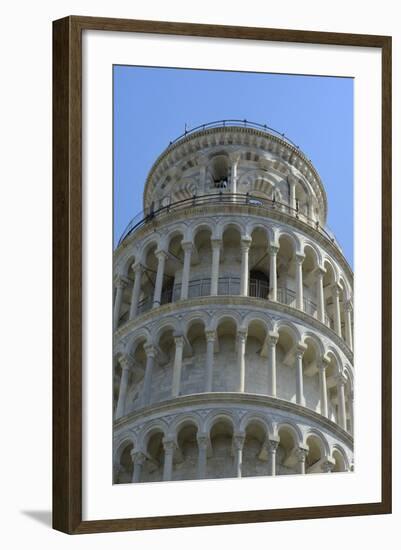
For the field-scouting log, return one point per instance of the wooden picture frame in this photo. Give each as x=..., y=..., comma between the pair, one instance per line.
x=67, y=273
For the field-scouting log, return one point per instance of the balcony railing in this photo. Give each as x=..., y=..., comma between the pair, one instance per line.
x=224, y=198
x=230, y=286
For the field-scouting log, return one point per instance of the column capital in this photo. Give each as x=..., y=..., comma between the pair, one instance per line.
x=242, y=335
x=210, y=335
x=300, y=349
x=348, y=305
x=187, y=246
x=169, y=445
x=245, y=244
x=335, y=289
x=126, y=361
x=216, y=242
x=179, y=339
x=203, y=440
x=341, y=379
x=320, y=271
x=273, y=338
x=273, y=249
x=235, y=157
x=121, y=281
x=302, y=453
x=238, y=440
x=324, y=362
x=299, y=258
x=150, y=350
x=138, y=457
x=272, y=445
x=137, y=268
x=328, y=465
x=161, y=254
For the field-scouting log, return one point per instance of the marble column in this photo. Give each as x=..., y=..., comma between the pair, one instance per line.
x=245, y=245
x=203, y=442
x=299, y=258
x=292, y=184
x=126, y=363
x=161, y=256
x=169, y=446
x=238, y=444
x=302, y=453
x=323, y=387
x=321, y=314
x=272, y=450
x=187, y=247
x=348, y=323
x=272, y=375
x=216, y=248
x=147, y=383
x=273, y=250
x=138, y=460
x=210, y=339
x=241, y=344
x=299, y=353
x=234, y=174
x=342, y=417
x=120, y=285
x=136, y=290
x=179, y=347
x=335, y=292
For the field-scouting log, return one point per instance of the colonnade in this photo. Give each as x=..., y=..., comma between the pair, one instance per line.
x=216, y=244
x=296, y=458
x=127, y=363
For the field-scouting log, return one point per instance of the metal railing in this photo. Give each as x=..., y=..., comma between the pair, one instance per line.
x=224, y=198
x=230, y=286
x=234, y=122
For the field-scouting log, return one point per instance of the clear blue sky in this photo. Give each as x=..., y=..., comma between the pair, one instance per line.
x=152, y=105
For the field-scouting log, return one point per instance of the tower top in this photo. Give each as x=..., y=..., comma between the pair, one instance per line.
x=236, y=156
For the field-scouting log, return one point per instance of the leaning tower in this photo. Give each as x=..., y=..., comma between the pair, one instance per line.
x=232, y=316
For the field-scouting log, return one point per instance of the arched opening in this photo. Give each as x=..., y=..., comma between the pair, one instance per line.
x=135, y=388
x=148, y=279
x=311, y=360
x=315, y=455
x=332, y=372
x=259, y=265
x=200, y=281
x=286, y=292
x=218, y=169
x=286, y=458
x=152, y=470
x=193, y=372
x=124, y=467
x=221, y=463
x=171, y=289
x=230, y=262
x=255, y=455
x=256, y=356
x=225, y=361
x=340, y=463
x=329, y=279
x=285, y=359
x=163, y=367
x=310, y=290
x=185, y=466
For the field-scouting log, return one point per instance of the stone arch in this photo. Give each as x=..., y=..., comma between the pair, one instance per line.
x=224, y=224
x=204, y=224
x=221, y=316
x=139, y=336
x=149, y=242
x=122, y=443
x=290, y=327
x=220, y=415
x=259, y=317
x=313, y=338
x=184, y=420
x=314, y=432
x=195, y=317
x=338, y=452
x=169, y=323
x=155, y=426
x=292, y=236
x=293, y=429
x=255, y=417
